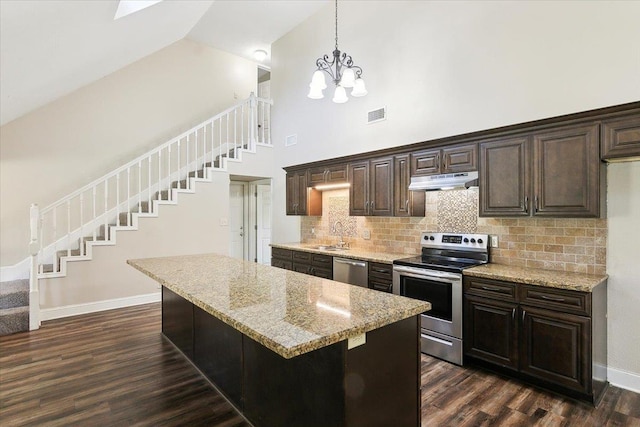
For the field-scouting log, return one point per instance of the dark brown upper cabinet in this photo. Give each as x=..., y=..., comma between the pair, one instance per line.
x=371, y=189
x=457, y=158
x=551, y=173
x=302, y=200
x=405, y=202
x=504, y=177
x=620, y=138
x=328, y=175
x=567, y=172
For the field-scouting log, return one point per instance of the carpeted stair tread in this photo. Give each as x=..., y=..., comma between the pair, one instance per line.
x=13, y=320
x=14, y=294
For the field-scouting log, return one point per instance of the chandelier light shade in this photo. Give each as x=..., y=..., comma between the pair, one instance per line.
x=343, y=72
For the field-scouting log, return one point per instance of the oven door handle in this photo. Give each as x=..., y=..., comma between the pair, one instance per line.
x=421, y=272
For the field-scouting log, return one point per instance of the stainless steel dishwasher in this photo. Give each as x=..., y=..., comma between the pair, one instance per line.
x=354, y=272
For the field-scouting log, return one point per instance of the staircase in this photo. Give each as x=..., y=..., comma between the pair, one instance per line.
x=67, y=230
x=14, y=307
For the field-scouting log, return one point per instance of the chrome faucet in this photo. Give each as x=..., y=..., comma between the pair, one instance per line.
x=341, y=243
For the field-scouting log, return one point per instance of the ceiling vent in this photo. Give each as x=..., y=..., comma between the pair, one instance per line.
x=374, y=116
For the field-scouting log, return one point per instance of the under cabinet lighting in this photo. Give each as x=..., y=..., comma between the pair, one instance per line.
x=332, y=186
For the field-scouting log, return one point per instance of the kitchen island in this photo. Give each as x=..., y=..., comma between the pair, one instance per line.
x=290, y=349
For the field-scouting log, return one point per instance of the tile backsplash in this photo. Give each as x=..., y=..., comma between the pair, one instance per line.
x=577, y=245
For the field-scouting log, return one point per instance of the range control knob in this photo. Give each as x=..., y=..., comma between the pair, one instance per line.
x=473, y=240
x=431, y=238
x=466, y=240
x=480, y=241
x=426, y=237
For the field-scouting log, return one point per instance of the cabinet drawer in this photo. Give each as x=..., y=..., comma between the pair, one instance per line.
x=556, y=299
x=322, y=261
x=384, y=272
x=322, y=272
x=301, y=268
x=287, y=265
x=301, y=256
x=380, y=285
x=280, y=253
x=490, y=288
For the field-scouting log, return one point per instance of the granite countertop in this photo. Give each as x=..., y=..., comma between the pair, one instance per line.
x=535, y=276
x=353, y=253
x=290, y=313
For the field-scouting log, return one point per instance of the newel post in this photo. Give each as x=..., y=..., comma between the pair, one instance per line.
x=253, y=118
x=34, y=248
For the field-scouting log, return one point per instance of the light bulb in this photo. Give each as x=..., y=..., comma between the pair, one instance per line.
x=348, y=78
x=315, y=92
x=340, y=95
x=317, y=81
x=260, y=55
x=359, y=88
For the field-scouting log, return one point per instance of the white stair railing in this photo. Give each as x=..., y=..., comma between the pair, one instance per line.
x=93, y=212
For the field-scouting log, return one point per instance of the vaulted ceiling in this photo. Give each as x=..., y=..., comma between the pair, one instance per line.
x=49, y=48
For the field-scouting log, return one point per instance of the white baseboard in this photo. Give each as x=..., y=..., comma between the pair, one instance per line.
x=92, y=307
x=624, y=379
x=17, y=271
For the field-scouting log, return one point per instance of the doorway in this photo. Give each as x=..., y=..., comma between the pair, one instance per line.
x=250, y=219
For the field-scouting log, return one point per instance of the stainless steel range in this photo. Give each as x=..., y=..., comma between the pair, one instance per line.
x=436, y=277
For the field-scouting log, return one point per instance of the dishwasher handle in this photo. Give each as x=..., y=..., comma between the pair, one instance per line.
x=350, y=262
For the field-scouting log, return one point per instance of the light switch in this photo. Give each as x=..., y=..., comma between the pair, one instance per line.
x=366, y=234
x=494, y=241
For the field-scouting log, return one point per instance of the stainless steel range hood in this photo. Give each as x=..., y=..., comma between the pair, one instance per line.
x=447, y=181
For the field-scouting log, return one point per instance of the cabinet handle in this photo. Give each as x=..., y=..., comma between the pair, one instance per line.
x=513, y=313
x=438, y=159
x=536, y=203
x=557, y=299
x=389, y=287
x=523, y=313
x=406, y=205
x=379, y=270
x=491, y=288
x=372, y=205
x=366, y=207
x=526, y=204
x=444, y=161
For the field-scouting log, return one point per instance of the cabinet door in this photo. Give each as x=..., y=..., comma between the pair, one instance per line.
x=620, y=138
x=406, y=203
x=359, y=189
x=381, y=187
x=317, y=176
x=490, y=331
x=460, y=158
x=566, y=172
x=556, y=347
x=296, y=185
x=426, y=162
x=504, y=177
x=337, y=174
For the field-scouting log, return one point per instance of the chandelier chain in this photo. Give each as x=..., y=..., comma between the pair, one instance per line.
x=336, y=24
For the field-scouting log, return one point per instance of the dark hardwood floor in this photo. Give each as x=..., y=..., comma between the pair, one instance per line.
x=115, y=369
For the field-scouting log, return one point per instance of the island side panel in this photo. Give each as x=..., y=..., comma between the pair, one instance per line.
x=303, y=391
x=217, y=352
x=177, y=321
x=382, y=378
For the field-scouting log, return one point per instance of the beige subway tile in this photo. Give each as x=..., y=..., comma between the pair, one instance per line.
x=567, y=258
x=545, y=239
x=576, y=268
x=552, y=231
x=536, y=247
x=516, y=245
x=516, y=230
x=566, y=222
x=535, y=264
x=553, y=248
x=589, y=250
x=585, y=241
x=590, y=232
x=599, y=269
x=545, y=256
x=530, y=238
x=510, y=222
x=545, y=222
x=553, y=265
x=565, y=240
x=585, y=259
x=578, y=250
x=519, y=262
x=574, y=231
x=601, y=223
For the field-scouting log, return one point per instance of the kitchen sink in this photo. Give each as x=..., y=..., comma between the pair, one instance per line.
x=329, y=248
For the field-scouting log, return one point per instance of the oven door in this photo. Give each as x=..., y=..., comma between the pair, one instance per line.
x=443, y=290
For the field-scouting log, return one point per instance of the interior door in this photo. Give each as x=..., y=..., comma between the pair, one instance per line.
x=263, y=224
x=237, y=247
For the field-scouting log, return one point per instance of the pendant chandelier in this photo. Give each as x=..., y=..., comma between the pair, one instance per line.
x=344, y=73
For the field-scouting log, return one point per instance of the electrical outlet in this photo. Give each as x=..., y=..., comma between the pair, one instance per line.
x=366, y=234
x=494, y=241
x=313, y=231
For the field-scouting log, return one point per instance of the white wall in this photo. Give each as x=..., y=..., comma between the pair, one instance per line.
x=623, y=203
x=447, y=68
x=56, y=149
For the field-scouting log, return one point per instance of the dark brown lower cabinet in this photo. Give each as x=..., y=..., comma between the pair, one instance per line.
x=555, y=347
x=374, y=384
x=491, y=331
x=554, y=338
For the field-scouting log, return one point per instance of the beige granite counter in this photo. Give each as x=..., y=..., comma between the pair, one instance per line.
x=353, y=253
x=290, y=313
x=535, y=276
